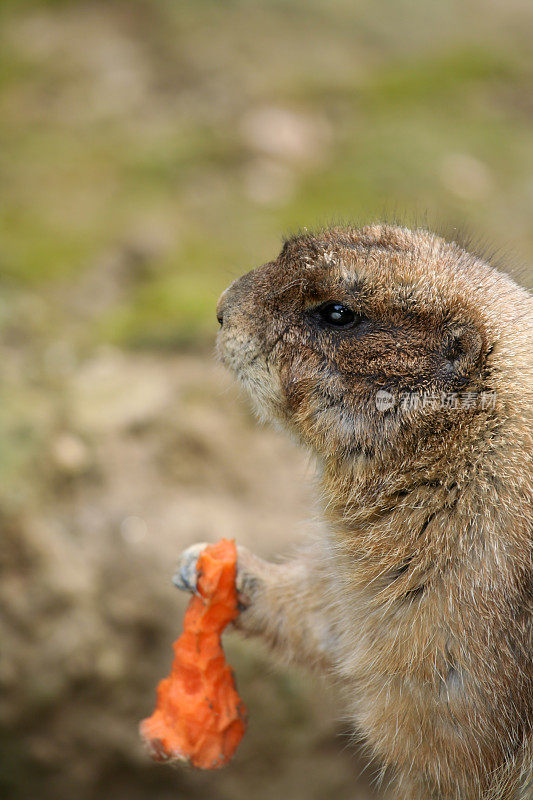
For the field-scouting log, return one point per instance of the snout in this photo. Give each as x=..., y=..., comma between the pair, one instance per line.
x=236, y=300
x=220, y=307
x=248, y=332
x=239, y=339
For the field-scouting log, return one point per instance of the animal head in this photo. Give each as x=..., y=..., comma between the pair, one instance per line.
x=365, y=343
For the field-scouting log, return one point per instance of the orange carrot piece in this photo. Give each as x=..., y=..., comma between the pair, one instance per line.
x=199, y=717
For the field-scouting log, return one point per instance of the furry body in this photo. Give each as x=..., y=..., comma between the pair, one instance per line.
x=417, y=596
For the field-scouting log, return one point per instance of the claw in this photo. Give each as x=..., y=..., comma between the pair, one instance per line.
x=186, y=575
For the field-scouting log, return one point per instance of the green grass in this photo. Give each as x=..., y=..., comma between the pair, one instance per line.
x=143, y=121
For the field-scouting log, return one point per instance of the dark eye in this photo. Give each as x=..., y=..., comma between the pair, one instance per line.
x=337, y=315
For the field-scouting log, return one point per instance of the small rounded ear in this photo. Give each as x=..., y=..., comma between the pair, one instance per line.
x=462, y=350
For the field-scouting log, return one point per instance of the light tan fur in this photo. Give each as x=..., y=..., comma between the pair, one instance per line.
x=416, y=597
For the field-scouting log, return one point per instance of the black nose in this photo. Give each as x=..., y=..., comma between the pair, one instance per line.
x=220, y=319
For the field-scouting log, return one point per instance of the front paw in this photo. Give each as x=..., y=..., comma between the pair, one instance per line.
x=186, y=574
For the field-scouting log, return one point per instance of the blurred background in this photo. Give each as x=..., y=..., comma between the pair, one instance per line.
x=151, y=151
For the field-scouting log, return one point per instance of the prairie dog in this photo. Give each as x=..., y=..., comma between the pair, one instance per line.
x=405, y=365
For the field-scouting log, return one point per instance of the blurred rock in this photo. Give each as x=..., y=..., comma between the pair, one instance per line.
x=70, y=454
x=286, y=135
x=466, y=176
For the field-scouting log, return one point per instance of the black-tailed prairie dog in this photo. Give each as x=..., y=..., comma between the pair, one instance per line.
x=404, y=364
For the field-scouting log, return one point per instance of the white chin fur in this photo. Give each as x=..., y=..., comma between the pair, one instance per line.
x=259, y=380
x=262, y=386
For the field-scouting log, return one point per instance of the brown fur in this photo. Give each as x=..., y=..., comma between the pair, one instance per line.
x=416, y=597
